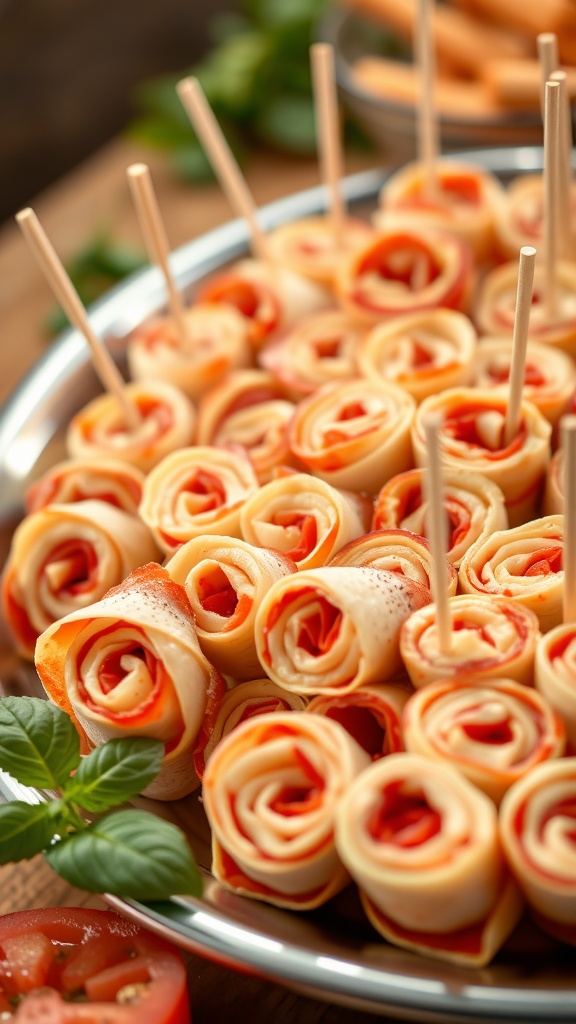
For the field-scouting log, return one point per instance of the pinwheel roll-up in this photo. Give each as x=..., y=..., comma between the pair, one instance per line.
x=65, y=557
x=521, y=220
x=196, y=491
x=553, y=499
x=524, y=564
x=249, y=408
x=225, y=580
x=405, y=270
x=471, y=436
x=104, y=479
x=311, y=246
x=492, y=637
x=495, y=306
x=549, y=376
x=538, y=830
x=395, y=551
x=244, y=701
x=321, y=349
x=371, y=714
x=555, y=674
x=473, y=504
x=168, y=423
x=304, y=518
x=466, y=201
x=421, y=842
x=354, y=435
x=215, y=342
x=130, y=665
x=423, y=352
x=271, y=789
x=269, y=297
x=493, y=733
x=331, y=630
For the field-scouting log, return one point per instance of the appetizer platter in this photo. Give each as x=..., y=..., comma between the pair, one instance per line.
x=330, y=951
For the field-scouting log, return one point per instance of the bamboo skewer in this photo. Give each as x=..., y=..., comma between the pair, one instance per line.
x=568, y=436
x=427, y=128
x=155, y=239
x=69, y=299
x=519, y=342
x=222, y=159
x=328, y=133
x=437, y=533
x=551, y=176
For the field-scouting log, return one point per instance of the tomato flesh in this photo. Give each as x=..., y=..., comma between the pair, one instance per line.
x=76, y=966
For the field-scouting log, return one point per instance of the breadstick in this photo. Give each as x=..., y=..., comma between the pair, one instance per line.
x=399, y=82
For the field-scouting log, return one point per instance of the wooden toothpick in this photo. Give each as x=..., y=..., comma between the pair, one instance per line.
x=328, y=133
x=222, y=159
x=69, y=299
x=551, y=180
x=437, y=532
x=568, y=441
x=155, y=238
x=519, y=342
x=427, y=128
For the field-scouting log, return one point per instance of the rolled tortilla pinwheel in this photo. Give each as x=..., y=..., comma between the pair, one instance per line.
x=421, y=842
x=305, y=518
x=249, y=408
x=271, y=789
x=196, y=491
x=269, y=297
x=395, y=551
x=549, y=376
x=423, y=352
x=467, y=202
x=225, y=580
x=354, y=435
x=523, y=564
x=65, y=557
x=321, y=349
x=405, y=270
x=537, y=827
x=555, y=674
x=100, y=478
x=334, y=629
x=311, y=247
x=130, y=665
x=553, y=499
x=521, y=220
x=496, y=305
x=471, y=437
x=168, y=423
x=244, y=701
x=216, y=341
x=474, y=506
x=492, y=637
x=371, y=714
x=493, y=732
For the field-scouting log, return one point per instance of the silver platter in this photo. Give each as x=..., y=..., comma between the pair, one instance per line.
x=331, y=954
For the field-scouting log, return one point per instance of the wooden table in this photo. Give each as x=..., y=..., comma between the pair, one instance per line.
x=96, y=194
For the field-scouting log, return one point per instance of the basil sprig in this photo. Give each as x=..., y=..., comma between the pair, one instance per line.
x=126, y=853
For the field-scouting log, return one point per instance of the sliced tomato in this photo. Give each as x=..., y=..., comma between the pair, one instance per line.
x=75, y=966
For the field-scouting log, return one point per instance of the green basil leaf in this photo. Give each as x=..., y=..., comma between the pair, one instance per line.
x=128, y=853
x=39, y=745
x=115, y=772
x=25, y=830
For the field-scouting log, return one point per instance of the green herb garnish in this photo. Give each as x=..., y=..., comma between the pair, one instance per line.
x=257, y=80
x=127, y=853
